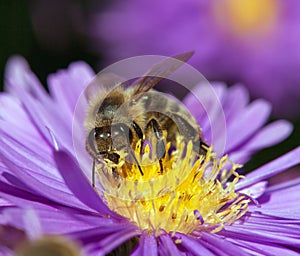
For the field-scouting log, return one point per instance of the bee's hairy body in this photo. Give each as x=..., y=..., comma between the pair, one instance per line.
x=118, y=119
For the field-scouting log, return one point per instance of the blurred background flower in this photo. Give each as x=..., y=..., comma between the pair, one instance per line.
x=256, y=42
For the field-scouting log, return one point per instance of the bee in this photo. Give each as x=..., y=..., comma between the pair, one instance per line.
x=121, y=117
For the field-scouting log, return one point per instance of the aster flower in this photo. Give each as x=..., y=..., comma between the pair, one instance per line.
x=50, y=194
x=254, y=42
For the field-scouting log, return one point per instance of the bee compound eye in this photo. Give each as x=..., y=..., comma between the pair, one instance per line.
x=121, y=130
x=92, y=140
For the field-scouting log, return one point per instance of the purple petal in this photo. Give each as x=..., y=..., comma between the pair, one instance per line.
x=259, y=236
x=35, y=141
x=21, y=155
x=53, y=222
x=78, y=183
x=19, y=78
x=192, y=245
x=269, y=135
x=57, y=193
x=53, y=218
x=274, y=167
x=282, y=203
x=284, y=185
x=66, y=85
x=264, y=248
x=256, y=190
x=167, y=247
x=236, y=100
x=147, y=246
x=4, y=251
x=36, y=185
x=248, y=122
x=106, y=243
x=264, y=223
x=224, y=247
x=47, y=117
x=16, y=116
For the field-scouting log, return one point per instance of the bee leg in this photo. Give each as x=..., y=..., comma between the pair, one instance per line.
x=203, y=148
x=160, y=145
x=200, y=147
x=139, y=133
x=136, y=161
x=93, y=173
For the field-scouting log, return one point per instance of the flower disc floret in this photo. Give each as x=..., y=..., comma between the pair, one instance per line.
x=191, y=193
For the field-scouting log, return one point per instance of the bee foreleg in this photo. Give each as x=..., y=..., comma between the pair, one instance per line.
x=93, y=173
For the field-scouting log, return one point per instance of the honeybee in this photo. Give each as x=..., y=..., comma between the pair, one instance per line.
x=119, y=118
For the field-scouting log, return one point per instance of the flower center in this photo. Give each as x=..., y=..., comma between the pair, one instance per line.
x=183, y=193
x=248, y=16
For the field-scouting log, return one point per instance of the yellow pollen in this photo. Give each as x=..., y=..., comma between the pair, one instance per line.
x=188, y=194
x=248, y=16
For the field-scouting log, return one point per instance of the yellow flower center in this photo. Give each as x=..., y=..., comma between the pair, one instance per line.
x=248, y=16
x=183, y=193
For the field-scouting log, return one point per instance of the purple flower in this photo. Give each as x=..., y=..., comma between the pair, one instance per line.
x=252, y=42
x=50, y=194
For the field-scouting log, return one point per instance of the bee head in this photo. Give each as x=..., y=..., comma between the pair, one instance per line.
x=107, y=141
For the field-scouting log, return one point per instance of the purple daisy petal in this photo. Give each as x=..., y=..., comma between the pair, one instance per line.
x=78, y=75
x=18, y=153
x=19, y=79
x=192, y=245
x=263, y=249
x=269, y=135
x=224, y=247
x=147, y=246
x=256, y=235
x=51, y=216
x=105, y=243
x=276, y=166
x=12, y=105
x=241, y=139
x=262, y=222
x=57, y=193
x=256, y=113
x=167, y=247
x=256, y=190
x=236, y=100
x=85, y=193
x=273, y=204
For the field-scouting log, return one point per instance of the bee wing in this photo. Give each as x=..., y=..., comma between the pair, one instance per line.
x=103, y=83
x=160, y=71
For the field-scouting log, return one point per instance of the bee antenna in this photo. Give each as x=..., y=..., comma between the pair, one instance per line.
x=137, y=162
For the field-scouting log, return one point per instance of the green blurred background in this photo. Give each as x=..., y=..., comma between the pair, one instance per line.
x=17, y=33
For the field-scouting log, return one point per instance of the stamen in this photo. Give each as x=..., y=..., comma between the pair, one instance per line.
x=188, y=196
